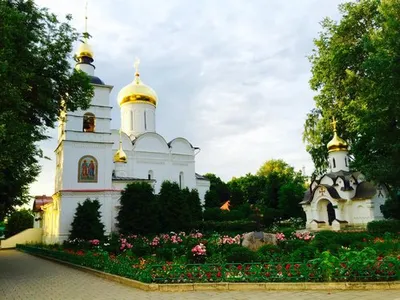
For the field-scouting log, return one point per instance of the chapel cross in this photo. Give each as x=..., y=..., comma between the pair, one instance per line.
x=334, y=122
x=86, y=27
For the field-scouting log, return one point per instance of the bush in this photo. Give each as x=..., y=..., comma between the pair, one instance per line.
x=268, y=253
x=381, y=227
x=87, y=221
x=304, y=253
x=227, y=227
x=239, y=254
x=19, y=221
x=330, y=240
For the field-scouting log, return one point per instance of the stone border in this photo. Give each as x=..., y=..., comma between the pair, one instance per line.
x=231, y=286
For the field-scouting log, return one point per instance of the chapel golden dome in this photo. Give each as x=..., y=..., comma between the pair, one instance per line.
x=137, y=92
x=336, y=143
x=84, y=49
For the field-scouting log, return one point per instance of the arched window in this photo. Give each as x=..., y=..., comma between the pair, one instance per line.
x=150, y=175
x=181, y=180
x=334, y=163
x=89, y=122
x=345, y=161
x=87, y=169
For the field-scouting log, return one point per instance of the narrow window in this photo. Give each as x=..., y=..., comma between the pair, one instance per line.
x=131, y=112
x=181, y=183
x=334, y=163
x=145, y=121
x=345, y=161
x=88, y=122
x=150, y=175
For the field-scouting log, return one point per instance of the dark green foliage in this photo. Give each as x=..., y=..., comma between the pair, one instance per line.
x=194, y=204
x=305, y=253
x=218, y=193
x=138, y=213
x=18, y=221
x=391, y=208
x=332, y=241
x=290, y=195
x=239, y=254
x=270, y=216
x=35, y=76
x=269, y=253
x=174, y=209
x=216, y=214
x=384, y=226
x=227, y=227
x=87, y=223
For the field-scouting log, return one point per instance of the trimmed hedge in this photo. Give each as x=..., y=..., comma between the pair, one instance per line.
x=227, y=226
x=383, y=226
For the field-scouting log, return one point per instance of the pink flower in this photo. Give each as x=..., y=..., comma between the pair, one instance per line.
x=94, y=242
x=280, y=237
x=199, y=250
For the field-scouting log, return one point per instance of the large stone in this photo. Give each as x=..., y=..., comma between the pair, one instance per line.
x=254, y=240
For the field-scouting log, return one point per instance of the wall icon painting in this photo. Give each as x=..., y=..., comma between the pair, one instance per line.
x=87, y=169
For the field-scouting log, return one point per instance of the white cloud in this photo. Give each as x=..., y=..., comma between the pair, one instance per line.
x=232, y=75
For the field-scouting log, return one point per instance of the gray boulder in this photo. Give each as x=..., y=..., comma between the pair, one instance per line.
x=254, y=240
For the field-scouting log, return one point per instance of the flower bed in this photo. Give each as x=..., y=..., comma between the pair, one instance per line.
x=188, y=258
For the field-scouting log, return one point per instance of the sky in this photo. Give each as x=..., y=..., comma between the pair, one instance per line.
x=231, y=75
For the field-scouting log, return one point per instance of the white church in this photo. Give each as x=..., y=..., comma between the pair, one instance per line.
x=93, y=161
x=342, y=199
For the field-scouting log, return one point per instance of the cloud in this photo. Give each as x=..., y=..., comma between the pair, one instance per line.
x=231, y=75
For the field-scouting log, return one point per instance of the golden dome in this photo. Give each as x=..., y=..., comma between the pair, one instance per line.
x=120, y=155
x=137, y=91
x=336, y=143
x=84, y=50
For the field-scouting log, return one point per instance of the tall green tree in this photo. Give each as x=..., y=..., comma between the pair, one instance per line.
x=289, y=197
x=36, y=78
x=218, y=193
x=87, y=223
x=174, y=209
x=194, y=203
x=139, y=211
x=19, y=221
x=356, y=77
x=275, y=166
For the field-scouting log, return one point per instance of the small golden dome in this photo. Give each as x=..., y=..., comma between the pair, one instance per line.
x=120, y=155
x=336, y=143
x=137, y=91
x=84, y=50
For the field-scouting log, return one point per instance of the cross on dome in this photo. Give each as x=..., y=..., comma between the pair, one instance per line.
x=334, y=122
x=136, y=65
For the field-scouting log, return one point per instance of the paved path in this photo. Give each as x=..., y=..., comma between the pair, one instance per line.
x=23, y=276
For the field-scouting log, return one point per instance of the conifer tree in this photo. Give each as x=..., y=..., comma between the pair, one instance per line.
x=175, y=214
x=87, y=223
x=138, y=212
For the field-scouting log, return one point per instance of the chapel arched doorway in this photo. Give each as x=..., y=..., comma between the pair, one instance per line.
x=326, y=211
x=331, y=213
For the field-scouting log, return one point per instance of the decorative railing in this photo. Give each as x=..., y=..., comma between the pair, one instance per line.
x=313, y=271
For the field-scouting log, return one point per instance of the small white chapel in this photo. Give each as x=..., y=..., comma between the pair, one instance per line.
x=342, y=198
x=93, y=161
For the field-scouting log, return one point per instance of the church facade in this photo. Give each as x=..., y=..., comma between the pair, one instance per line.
x=93, y=161
x=342, y=198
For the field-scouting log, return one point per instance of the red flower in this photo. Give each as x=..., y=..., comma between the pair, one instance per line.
x=287, y=267
x=219, y=274
x=189, y=275
x=239, y=267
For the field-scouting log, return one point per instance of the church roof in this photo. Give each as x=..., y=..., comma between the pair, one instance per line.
x=200, y=177
x=365, y=190
x=96, y=80
x=41, y=201
x=119, y=178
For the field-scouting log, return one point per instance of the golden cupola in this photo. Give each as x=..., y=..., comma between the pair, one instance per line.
x=137, y=91
x=85, y=50
x=120, y=155
x=337, y=143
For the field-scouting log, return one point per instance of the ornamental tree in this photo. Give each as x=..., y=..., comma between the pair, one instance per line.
x=36, y=79
x=87, y=223
x=138, y=213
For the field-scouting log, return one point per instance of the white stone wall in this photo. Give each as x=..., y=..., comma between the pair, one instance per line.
x=138, y=118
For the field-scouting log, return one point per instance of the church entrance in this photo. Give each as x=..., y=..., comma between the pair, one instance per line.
x=331, y=213
x=325, y=211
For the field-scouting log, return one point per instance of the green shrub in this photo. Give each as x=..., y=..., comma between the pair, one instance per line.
x=227, y=227
x=18, y=221
x=269, y=253
x=292, y=245
x=330, y=240
x=239, y=254
x=87, y=223
x=383, y=226
x=304, y=253
x=212, y=214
